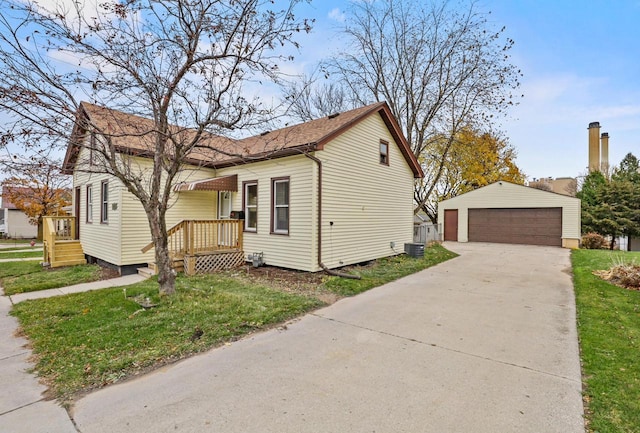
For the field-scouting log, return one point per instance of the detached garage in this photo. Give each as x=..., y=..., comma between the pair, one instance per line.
x=507, y=213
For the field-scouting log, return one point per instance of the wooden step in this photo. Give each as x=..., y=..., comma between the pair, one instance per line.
x=67, y=253
x=177, y=264
x=68, y=262
x=146, y=272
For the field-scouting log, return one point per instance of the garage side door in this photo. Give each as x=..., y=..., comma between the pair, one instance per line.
x=533, y=226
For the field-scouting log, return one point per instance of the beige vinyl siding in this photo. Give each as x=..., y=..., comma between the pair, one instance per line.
x=297, y=250
x=99, y=240
x=508, y=195
x=119, y=242
x=184, y=205
x=369, y=203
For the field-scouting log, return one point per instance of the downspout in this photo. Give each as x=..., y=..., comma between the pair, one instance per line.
x=322, y=265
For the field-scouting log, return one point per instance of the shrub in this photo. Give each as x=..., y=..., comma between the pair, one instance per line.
x=594, y=241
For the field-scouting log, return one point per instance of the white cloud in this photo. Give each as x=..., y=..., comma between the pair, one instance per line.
x=337, y=15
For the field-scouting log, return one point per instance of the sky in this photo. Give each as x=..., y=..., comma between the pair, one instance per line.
x=581, y=64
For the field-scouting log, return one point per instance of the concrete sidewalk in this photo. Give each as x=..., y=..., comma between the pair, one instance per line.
x=483, y=343
x=28, y=259
x=22, y=406
x=84, y=287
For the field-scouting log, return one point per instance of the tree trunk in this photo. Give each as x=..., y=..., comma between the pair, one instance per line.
x=40, y=229
x=166, y=273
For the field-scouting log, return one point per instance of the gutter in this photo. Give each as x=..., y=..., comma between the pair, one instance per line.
x=322, y=265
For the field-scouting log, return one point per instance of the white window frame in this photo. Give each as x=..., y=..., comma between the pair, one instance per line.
x=104, y=202
x=89, y=203
x=275, y=206
x=247, y=206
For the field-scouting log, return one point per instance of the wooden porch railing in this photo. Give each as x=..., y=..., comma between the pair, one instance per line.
x=56, y=228
x=191, y=237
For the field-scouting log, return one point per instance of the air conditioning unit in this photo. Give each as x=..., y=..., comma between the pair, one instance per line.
x=414, y=250
x=236, y=215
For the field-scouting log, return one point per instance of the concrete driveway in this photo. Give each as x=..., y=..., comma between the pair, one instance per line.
x=485, y=342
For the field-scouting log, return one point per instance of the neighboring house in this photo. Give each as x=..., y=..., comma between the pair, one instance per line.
x=508, y=213
x=334, y=191
x=14, y=223
x=560, y=185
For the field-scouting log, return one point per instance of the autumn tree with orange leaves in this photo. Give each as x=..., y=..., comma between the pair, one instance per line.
x=38, y=189
x=475, y=159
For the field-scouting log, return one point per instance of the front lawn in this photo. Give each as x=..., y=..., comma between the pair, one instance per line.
x=609, y=330
x=9, y=254
x=28, y=276
x=386, y=270
x=92, y=339
x=12, y=269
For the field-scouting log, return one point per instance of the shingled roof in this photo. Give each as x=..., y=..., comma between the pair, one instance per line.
x=132, y=134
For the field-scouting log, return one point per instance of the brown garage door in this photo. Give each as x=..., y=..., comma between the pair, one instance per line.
x=538, y=226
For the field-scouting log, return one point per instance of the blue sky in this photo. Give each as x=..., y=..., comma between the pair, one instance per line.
x=581, y=64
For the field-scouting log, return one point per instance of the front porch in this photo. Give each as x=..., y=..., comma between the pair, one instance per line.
x=61, y=246
x=203, y=246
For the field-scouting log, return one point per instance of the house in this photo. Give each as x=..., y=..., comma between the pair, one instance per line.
x=14, y=223
x=330, y=192
x=503, y=212
x=560, y=185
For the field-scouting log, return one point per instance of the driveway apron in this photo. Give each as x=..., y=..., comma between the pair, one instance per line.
x=485, y=342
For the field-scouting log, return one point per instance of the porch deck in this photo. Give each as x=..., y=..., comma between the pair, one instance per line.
x=202, y=246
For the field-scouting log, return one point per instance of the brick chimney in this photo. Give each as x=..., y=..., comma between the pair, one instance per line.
x=604, y=152
x=594, y=146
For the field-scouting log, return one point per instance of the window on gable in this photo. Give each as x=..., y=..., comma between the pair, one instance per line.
x=384, y=152
x=280, y=206
x=104, y=202
x=250, y=202
x=89, y=204
x=92, y=147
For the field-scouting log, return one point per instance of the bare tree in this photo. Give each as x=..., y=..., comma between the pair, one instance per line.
x=175, y=62
x=440, y=67
x=309, y=99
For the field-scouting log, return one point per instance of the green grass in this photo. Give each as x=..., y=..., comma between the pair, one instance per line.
x=609, y=330
x=91, y=339
x=20, y=248
x=12, y=269
x=16, y=242
x=7, y=254
x=387, y=270
x=21, y=277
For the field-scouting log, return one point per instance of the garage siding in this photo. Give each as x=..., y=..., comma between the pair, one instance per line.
x=541, y=226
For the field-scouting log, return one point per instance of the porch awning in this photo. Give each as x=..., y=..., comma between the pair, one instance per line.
x=223, y=183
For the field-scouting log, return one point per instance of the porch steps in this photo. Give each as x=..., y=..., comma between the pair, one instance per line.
x=68, y=253
x=152, y=269
x=146, y=272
